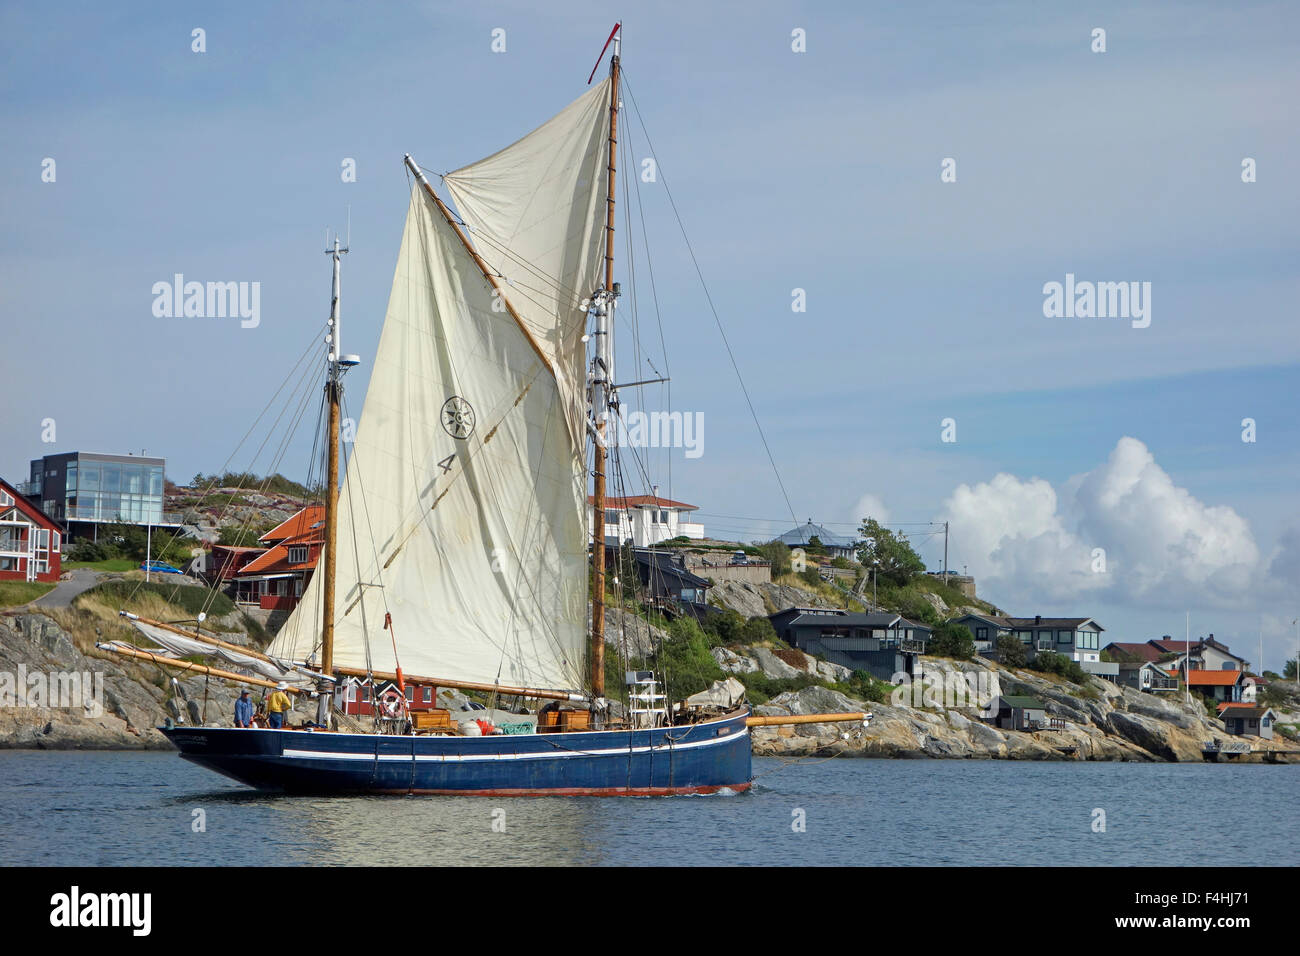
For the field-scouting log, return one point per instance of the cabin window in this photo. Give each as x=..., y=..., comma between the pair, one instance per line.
x=981, y=633
x=365, y=693
x=410, y=693
x=350, y=694
x=427, y=695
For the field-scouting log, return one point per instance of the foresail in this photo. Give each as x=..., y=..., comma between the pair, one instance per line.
x=536, y=211
x=463, y=509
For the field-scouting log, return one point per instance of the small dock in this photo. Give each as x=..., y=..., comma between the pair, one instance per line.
x=1215, y=750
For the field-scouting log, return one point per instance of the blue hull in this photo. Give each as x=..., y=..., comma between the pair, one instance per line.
x=697, y=758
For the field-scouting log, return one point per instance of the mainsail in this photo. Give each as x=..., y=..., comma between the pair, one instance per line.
x=462, y=512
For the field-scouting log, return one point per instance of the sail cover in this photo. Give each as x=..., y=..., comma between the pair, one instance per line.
x=536, y=213
x=463, y=508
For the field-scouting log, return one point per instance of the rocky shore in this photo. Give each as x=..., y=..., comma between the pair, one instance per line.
x=1101, y=722
x=124, y=703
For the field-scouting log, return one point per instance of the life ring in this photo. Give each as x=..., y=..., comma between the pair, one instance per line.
x=391, y=702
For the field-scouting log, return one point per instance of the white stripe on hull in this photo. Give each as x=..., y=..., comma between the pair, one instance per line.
x=556, y=754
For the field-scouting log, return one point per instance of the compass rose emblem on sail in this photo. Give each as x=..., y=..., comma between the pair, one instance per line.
x=458, y=417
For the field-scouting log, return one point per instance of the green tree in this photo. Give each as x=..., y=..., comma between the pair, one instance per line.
x=889, y=553
x=778, y=554
x=1289, y=670
x=953, y=640
x=241, y=537
x=1011, y=652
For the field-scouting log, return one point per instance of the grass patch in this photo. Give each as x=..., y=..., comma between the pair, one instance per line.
x=132, y=595
x=111, y=564
x=14, y=593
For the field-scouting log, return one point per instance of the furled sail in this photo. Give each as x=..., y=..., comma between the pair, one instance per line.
x=463, y=508
x=536, y=212
x=177, y=645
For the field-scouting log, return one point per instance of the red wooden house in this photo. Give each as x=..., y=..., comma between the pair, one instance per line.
x=30, y=541
x=356, y=696
x=276, y=578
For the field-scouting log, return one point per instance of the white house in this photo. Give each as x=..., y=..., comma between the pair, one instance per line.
x=646, y=520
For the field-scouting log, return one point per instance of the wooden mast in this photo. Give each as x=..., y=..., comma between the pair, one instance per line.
x=598, y=469
x=338, y=364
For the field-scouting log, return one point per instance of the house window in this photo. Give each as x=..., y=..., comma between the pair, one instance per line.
x=611, y=517
x=410, y=693
x=365, y=693
x=1064, y=637
x=351, y=694
x=981, y=633
x=1024, y=636
x=428, y=695
x=298, y=554
x=663, y=517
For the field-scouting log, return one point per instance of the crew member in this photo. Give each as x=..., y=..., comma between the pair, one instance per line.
x=277, y=708
x=244, y=710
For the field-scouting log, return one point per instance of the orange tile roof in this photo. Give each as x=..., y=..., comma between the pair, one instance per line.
x=303, y=523
x=277, y=559
x=1214, y=678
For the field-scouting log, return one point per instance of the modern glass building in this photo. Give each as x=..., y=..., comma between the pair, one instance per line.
x=84, y=490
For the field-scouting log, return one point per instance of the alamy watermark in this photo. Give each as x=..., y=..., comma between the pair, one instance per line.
x=210, y=300
x=67, y=690
x=947, y=691
x=1098, y=300
x=637, y=429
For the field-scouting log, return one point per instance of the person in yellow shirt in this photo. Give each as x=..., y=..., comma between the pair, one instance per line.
x=277, y=708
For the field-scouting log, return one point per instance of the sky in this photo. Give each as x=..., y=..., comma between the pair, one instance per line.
x=805, y=148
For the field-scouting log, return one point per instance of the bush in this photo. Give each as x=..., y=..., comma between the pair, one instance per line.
x=811, y=577
x=953, y=640
x=760, y=688
x=1049, y=662
x=1011, y=653
x=865, y=687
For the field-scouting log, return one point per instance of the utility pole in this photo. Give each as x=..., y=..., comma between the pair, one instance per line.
x=945, y=553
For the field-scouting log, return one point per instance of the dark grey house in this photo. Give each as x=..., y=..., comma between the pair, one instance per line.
x=882, y=644
x=666, y=581
x=1023, y=713
x=1078, y=638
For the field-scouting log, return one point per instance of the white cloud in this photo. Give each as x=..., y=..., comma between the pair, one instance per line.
x=1036, y=545
x=870, y=506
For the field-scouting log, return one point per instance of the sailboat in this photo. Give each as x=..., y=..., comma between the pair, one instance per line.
x=457, y=546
